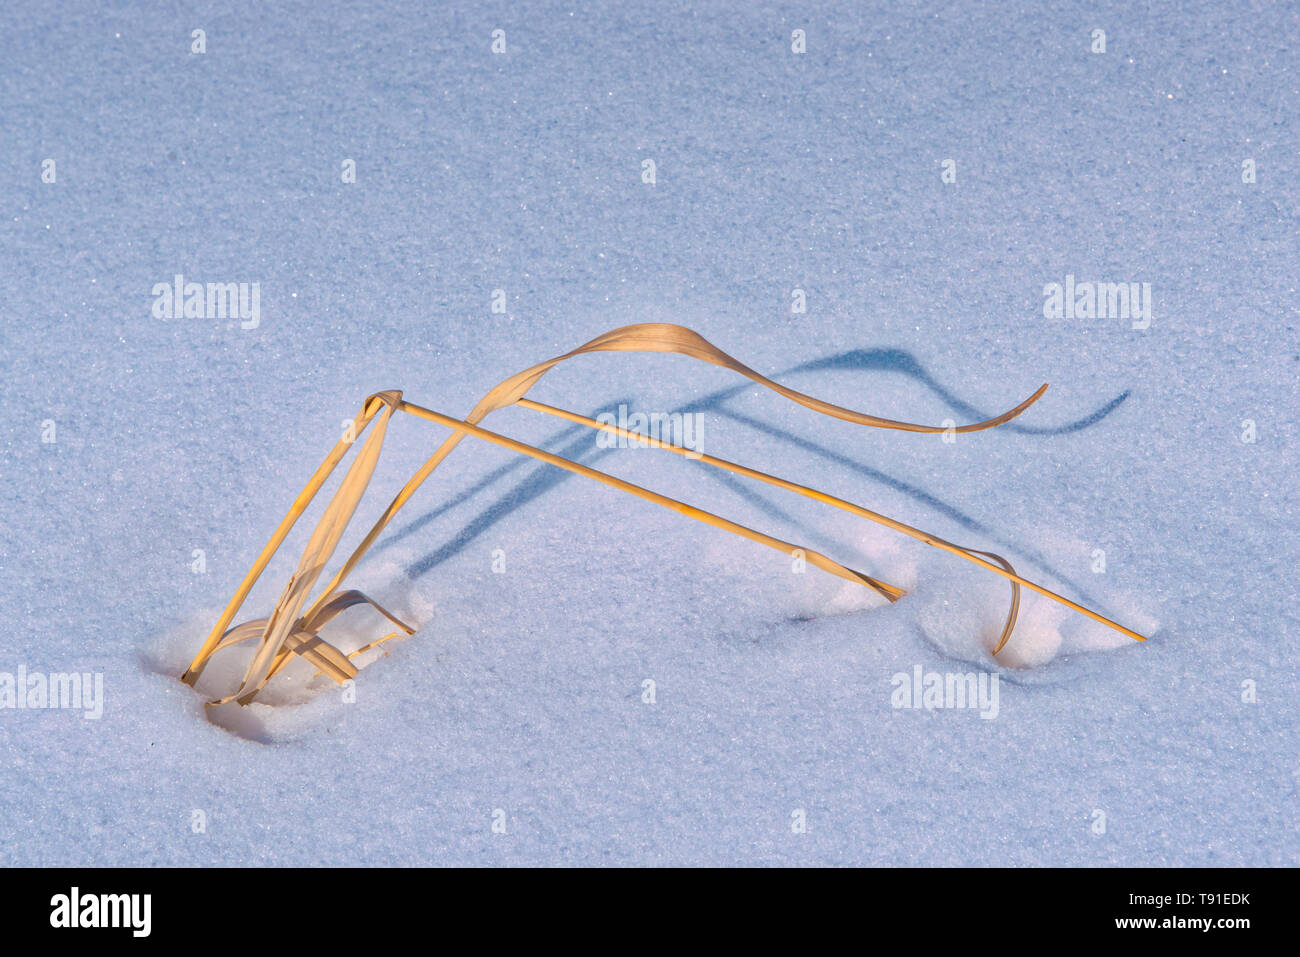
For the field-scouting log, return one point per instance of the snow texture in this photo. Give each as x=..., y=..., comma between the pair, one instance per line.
x=522, y=697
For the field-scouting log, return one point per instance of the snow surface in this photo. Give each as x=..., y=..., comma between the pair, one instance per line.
x=523, y=691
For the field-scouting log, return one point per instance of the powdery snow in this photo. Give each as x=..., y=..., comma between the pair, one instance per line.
x=523, y=697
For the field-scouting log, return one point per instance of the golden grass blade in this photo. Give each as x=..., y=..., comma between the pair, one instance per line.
x=342, y=601
x=644, y=337
x=311, y=628
x=1014, y=612
x=322, y=474
x=665, y=337
x=1006, y=571
x=322, y=654
x=375, y=644
x=332, y=609
x=240, y=633
x=318, y=651
x=320, y=547
x=813, y=557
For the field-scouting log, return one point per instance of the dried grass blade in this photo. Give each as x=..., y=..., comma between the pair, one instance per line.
x=1006, y=570
x=643, y=337
x=368, y=410
x=320, y=547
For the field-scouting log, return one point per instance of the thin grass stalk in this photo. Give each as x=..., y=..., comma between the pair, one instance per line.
x=368, y=410
x=929, y=538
